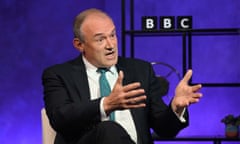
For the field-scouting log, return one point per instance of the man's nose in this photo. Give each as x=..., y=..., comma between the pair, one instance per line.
x=110, y=43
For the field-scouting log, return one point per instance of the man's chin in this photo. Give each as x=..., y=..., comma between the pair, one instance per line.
x=111, y=62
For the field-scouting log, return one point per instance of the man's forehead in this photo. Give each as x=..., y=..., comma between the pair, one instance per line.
x=111, y=31
x=97, y=17
x=98, y=25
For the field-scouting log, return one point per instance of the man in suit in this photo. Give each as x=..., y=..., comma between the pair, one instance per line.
x=80, y=115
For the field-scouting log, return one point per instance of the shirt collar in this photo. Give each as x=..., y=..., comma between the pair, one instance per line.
x=92, y=68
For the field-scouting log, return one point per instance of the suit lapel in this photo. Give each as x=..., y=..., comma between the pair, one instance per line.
x=128, y=78
x=79, y=76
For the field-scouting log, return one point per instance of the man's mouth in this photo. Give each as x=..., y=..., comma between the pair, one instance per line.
x=110, y=53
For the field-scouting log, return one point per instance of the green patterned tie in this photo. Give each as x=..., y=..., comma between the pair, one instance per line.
x=105, y=89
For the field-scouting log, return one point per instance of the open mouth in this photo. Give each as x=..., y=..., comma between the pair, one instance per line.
x=110, y=53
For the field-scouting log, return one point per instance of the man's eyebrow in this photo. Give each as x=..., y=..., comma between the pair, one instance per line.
x=101, y=34
x=98, y=34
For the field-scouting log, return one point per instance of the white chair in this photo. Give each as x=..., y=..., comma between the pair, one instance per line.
x=48, y=133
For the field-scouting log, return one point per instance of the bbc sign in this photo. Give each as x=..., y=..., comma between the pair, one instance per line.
x=166, y=22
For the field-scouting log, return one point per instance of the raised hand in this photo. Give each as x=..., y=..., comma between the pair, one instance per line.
x=124, y=97
x=185, y=94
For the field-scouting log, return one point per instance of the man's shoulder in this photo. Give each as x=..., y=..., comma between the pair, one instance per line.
x=66, y=65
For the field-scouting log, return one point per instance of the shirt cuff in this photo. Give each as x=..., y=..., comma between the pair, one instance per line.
x=104, y=116
x=181, y=117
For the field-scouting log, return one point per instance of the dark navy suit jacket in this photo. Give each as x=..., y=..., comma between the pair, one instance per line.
x=72, y=113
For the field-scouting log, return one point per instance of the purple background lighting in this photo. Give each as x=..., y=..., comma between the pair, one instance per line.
x=37, y=34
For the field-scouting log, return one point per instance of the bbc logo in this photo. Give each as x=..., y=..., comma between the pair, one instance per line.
x=166, y=22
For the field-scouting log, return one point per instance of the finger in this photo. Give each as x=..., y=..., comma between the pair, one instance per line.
x=120, y=77
x=136, y=100
x=187, y=76
x=197, y=95
x=134, y=93
x=131, y=86
x=140, y=105
x=196, y=88
x=193, y=100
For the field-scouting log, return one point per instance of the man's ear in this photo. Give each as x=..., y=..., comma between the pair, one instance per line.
x=78, y=44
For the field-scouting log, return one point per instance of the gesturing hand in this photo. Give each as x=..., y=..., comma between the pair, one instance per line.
x=124, y=97
x=185, y=94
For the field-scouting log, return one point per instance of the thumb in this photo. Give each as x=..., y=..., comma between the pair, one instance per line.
x=120, y=77
x=187, y=76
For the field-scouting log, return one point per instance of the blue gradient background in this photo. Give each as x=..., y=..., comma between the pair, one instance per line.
x=37, y=34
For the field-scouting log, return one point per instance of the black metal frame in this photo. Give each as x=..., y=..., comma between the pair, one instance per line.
x=186, y=40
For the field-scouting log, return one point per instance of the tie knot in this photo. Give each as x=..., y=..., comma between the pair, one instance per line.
x=102, y=70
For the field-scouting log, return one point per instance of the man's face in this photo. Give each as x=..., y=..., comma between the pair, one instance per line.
x=100, y=41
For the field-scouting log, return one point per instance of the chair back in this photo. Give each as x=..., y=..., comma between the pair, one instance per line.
x=48, y=133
